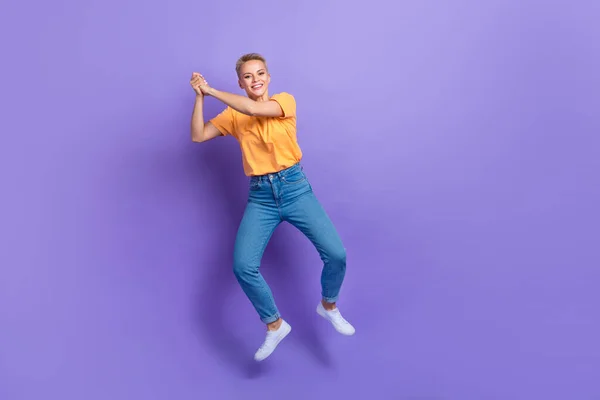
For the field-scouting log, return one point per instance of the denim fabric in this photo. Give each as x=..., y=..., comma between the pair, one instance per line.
x=275, y=198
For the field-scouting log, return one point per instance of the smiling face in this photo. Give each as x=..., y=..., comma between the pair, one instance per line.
x=254, y=78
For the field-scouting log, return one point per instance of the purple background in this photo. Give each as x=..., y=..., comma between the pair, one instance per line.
x=454, y=144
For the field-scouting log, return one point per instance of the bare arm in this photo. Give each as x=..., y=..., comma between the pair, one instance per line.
x=202, y=132
x=239, y=103
x=246, y=105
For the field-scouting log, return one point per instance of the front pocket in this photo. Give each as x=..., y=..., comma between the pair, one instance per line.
x=294, y=178
x=255, y=185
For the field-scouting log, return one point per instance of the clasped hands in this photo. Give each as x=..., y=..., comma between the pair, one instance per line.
x=199, y=84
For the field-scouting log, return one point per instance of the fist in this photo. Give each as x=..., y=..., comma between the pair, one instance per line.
x=199, y=84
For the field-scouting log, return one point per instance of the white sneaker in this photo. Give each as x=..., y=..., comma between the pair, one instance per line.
x=272, y=340
x=335, y=317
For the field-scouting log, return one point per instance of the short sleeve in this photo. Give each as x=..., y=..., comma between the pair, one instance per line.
x=287, y=103
x=224, y=121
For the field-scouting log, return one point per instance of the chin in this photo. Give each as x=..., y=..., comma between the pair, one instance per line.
x=257, y=93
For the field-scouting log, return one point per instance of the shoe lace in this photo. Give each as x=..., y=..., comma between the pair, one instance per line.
x=338, y=316
x=268, y=339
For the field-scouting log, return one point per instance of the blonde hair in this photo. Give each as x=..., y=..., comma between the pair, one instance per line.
x=246, y=58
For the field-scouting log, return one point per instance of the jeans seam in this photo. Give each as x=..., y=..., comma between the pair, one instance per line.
x=294, y=182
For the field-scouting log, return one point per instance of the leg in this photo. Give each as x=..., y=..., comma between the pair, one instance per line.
x=307, y=214
x=255, y=230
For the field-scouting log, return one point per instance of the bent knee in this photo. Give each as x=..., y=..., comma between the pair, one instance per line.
x=243, y=267
x=337, y=256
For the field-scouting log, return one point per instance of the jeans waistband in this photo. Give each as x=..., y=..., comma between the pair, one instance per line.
x=284, y=172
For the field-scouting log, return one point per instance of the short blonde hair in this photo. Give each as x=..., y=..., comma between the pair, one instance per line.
x=246, y=58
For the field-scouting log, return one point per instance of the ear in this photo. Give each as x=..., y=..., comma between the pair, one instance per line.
x=240, y=84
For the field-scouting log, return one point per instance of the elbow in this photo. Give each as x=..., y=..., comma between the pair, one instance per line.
x=196, y=138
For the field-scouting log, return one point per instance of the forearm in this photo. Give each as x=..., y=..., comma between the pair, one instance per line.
x=239, y=103
x=197, y=125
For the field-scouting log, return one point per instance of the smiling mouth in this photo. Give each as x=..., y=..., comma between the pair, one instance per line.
x=257, y=86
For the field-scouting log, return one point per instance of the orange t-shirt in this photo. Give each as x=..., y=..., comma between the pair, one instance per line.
x=268, y=144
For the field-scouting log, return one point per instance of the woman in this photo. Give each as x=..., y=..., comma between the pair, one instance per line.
x=265, y=127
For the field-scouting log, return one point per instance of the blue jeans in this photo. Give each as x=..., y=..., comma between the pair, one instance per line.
x=274, y=198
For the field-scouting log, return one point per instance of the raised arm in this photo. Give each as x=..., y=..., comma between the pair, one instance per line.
x=243, y=104
x=246, y=105
x=200, y=131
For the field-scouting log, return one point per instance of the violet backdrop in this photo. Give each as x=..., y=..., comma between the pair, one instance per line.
x=454, y=144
